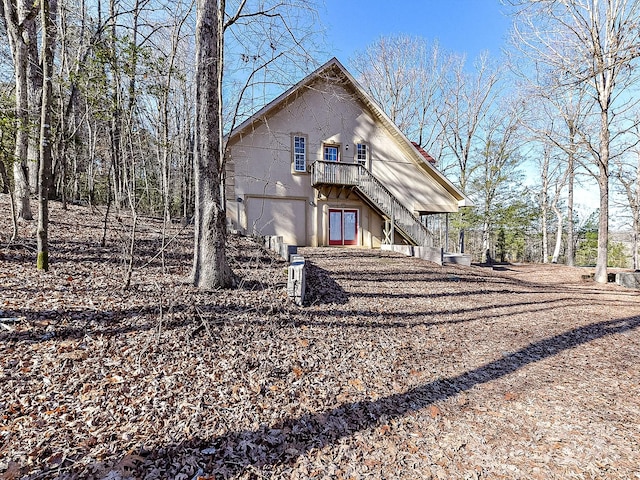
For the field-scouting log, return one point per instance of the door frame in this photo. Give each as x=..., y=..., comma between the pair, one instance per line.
x=342, y=241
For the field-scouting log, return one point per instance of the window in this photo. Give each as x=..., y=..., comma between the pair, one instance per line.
x=331, y=153
x=362, y=154
x=299, y=153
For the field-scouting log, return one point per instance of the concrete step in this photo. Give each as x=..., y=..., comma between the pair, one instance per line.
x=628, y=279
x=457, y=258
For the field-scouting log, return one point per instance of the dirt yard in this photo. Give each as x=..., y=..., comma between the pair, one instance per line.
x=398, y=368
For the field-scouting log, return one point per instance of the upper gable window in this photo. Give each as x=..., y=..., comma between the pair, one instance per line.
x=331, y=153
x=299, y=153
x=362, y=153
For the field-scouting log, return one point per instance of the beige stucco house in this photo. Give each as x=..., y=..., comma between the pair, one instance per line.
x=322, y=164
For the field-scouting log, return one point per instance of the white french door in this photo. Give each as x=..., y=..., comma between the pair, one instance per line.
x=343, y=226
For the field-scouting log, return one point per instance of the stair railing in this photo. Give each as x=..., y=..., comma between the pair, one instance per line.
x=356, y=175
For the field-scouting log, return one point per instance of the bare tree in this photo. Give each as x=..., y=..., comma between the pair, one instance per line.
x=406, y=75
x=543, y=139
x=553, y=182
x=35, y=79
x=19, y=16
x=573, y=110
x=47, y=15
x=500, y=160
x=544, y=202
x=594, y=44
x=557, y=121
x=627, y=173
x=167, y=146
x=7, y=137
x=210, y=266
x=116, y=106
x=468, y=100
x=214, y=21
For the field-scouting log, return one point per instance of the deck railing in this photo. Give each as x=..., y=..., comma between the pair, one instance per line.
x=357, y=176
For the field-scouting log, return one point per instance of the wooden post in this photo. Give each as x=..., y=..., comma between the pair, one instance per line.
x=393, y=223
x=446, y=232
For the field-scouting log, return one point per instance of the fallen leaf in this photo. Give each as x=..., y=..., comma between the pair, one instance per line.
x=256, y=388
x=357, y=384
x=510, y=396
x=12, y=472
x=56, y=458
x=129, y=461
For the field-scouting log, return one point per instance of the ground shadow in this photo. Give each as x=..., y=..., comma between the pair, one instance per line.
x=271, y=445
x=76, y=323
x=322, y=288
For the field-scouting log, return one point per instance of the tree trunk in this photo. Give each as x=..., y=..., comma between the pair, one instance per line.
x=571, y=248
x=3, y=176
x=544, y=205
x=210, y=267
x=556, y=249
x=115, y=126
x=603, y=185
x=34, y=100
x=15, y=16
x=6, y=188
x=545, y=234
x=635, y=201
x=486, y=245
x=44, y=177
x=636, y=227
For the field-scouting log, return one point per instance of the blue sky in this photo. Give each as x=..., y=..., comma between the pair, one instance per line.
x=461, y=26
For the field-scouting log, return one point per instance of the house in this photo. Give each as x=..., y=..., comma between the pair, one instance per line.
x=322, y=164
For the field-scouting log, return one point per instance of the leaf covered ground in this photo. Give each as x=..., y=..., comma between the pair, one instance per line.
x=397, y=368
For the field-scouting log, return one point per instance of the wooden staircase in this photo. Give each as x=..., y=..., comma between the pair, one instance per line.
x=357, y=178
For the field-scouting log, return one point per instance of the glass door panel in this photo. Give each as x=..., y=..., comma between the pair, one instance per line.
x=350, y=227
x=335, y=227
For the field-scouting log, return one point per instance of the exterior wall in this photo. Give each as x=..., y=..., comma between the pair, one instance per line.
x=260, y=169
x=370, y=224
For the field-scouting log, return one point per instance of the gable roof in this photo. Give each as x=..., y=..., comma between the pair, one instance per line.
x=334, y=67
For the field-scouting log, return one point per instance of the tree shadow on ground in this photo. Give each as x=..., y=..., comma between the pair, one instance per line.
x=279, y=444
x=322, y=288
x=197, y=314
